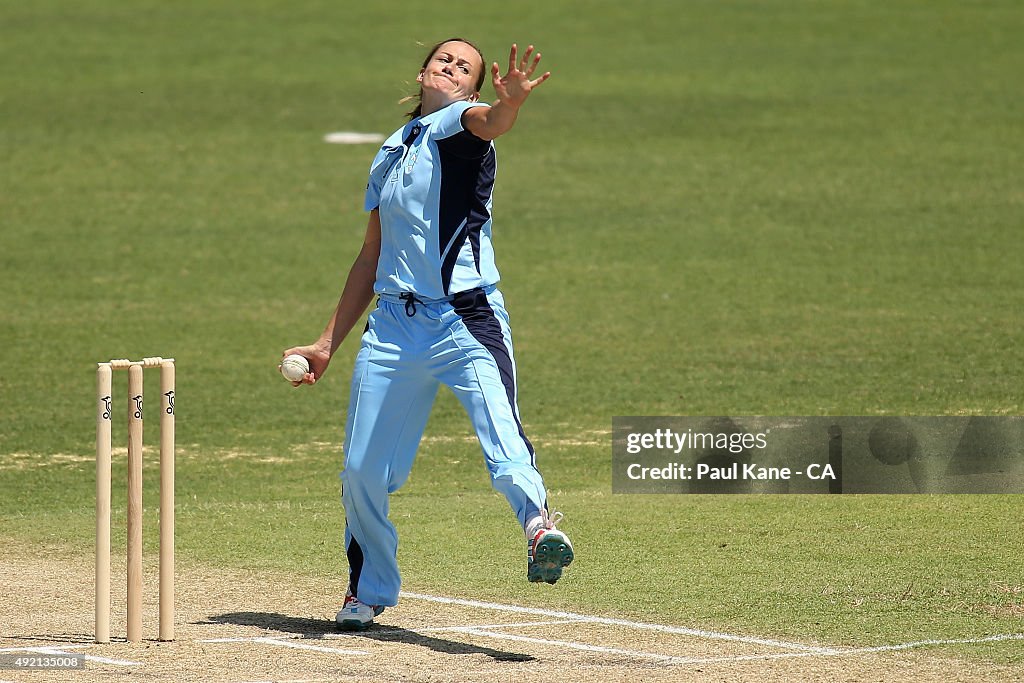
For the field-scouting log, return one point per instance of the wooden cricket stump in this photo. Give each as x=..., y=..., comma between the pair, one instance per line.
x=104, y=392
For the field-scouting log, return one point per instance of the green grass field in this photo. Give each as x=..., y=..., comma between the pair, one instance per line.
x=712, y=208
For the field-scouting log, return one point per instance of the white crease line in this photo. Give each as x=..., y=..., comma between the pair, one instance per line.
x=449, y=629
x=452, y=629
x=669, y=659
x=853, y=651
x=680, y=630
x=522, y=624
x=926, y=643
x=285, y=643
x=745, y=658
x=384, y=630
x=563, y=643
x=115, y=662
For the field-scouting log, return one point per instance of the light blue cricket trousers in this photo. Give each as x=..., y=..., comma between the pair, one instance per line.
x=408, y=350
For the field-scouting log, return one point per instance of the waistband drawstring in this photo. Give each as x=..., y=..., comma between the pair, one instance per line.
x=410, y=303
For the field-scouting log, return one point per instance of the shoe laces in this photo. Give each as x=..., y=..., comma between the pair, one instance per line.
x=549, y=520
x=352, y=602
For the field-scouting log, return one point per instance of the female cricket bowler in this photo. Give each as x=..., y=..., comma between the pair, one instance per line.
x=440, y=319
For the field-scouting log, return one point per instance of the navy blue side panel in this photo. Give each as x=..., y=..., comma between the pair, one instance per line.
x=477, y=314
x=466, y=185
x=355, y=566
x=465, y=145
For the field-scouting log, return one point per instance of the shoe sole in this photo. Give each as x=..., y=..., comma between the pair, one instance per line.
x=550, y=556
x=356, y=624
x=353, y=625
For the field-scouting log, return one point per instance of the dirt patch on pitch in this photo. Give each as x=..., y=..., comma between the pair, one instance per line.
x=254, y=626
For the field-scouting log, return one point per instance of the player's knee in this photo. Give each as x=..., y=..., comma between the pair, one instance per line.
x=512, y=480
x=362, y=476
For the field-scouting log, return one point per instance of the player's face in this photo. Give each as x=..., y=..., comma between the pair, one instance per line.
x=452, y=72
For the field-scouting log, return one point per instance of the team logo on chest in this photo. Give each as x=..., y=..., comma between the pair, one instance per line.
x=410, y=161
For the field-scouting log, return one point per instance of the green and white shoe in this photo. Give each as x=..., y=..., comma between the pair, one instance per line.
x=356, y=615
x=548, y=552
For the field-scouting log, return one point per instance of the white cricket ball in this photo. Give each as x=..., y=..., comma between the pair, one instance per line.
x=293, y=367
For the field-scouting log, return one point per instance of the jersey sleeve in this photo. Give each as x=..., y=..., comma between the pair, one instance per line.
x=378, y=169
x=450, y=122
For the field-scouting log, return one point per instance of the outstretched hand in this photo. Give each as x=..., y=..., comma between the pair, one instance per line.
x=515, y=86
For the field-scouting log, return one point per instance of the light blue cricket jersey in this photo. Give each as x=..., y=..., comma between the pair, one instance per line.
x=432, y=181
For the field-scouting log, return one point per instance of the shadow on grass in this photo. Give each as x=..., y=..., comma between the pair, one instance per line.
x=309, y=628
